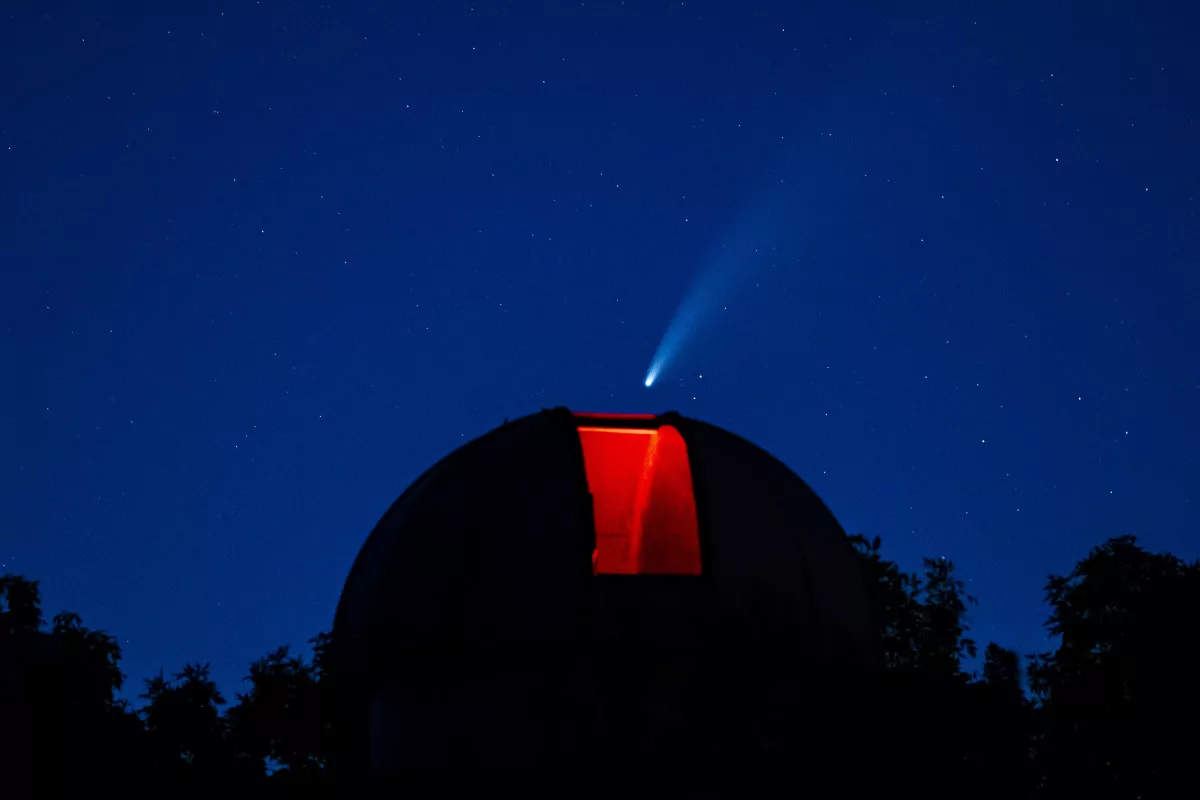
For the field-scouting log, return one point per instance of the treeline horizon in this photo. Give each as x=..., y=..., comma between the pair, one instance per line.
x=1105, y=712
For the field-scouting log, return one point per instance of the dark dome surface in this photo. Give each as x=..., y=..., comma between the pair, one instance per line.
x=494, y=543
x=492, y=551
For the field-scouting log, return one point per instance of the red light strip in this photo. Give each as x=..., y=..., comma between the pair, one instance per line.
x=602, y=415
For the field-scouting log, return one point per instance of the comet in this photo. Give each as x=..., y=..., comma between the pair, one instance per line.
x=709, y=294
x=780, y=219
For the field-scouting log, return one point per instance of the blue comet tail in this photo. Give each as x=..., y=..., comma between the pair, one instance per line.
x=714, y=282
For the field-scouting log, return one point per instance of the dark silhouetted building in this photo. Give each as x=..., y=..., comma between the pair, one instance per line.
x=596, y=589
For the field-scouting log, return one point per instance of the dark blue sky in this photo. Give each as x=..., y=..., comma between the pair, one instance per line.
x=263, y=262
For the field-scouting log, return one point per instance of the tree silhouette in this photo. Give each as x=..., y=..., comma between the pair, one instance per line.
x=61, y=705
x=893, y=598
x=921, y=623
x=92, y=659
x=1121, y=688
x=1002, y=670
x=926, y=718
x=941, y=641
x=20, y=607
x=186, y=733
x=326, y=694
x=280, y=721
x=1110, y=711
x=998, y=748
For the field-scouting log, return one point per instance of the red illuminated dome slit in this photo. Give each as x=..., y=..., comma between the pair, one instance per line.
x=642, y=501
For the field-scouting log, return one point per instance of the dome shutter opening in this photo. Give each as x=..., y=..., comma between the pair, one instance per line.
x=643, y=505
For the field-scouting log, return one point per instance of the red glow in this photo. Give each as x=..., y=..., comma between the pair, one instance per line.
x=645, y=514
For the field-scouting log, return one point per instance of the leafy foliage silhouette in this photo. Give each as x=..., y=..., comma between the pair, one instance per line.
x=1101, y=718
x=1117, y=697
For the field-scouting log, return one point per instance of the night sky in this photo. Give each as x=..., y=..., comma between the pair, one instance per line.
x=264, y=262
